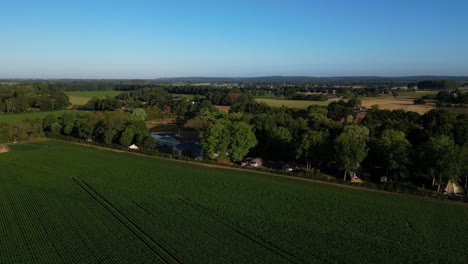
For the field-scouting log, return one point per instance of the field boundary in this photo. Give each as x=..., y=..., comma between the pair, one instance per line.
x=354, y=187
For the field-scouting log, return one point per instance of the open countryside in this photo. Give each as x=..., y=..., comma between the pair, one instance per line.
x=82, y=97
x=403, y=101
x=120, y=205
x=238, y=132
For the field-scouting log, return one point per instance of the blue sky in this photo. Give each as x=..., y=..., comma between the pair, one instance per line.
x=173, y=38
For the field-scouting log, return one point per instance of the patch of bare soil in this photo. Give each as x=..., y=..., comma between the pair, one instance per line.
x=223, y=108
x=4, y=148
x=391, y=103
x=166, y=121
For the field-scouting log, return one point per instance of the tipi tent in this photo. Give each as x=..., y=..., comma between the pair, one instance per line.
x=453, y=188
x=135, y=147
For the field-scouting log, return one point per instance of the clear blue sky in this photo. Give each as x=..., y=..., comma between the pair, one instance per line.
x=173, y=38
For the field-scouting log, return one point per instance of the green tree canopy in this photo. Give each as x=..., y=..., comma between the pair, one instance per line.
x=444, y=161
x=351, y=147
x=138, y=114
x=395, y=149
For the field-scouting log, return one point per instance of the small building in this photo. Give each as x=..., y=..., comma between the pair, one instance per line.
x=134, y=147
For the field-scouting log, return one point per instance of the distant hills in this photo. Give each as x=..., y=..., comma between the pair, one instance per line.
x=307, y=79
x=265, y=79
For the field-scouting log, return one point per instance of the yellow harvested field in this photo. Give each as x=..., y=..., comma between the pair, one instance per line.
x=391, y=103
x=223, y=108
x=79, y=100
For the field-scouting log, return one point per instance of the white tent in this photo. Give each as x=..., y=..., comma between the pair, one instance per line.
x=453, y=188
x=133, y=147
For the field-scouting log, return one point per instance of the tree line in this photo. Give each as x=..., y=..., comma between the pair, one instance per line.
x=22, y=98
x=424, y=150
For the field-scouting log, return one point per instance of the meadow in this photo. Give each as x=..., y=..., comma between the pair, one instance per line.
x=130, y=208
x=291, y=103
x=389, y=102
x=12, y=118
x=82, y=97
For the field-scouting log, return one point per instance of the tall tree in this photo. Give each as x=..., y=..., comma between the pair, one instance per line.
x=351, y=147
x=313, y=147
x=444, y=160
x=242, y=140
x=138, y=114
x=215, y=140
x=395, y=149
x=126, y=138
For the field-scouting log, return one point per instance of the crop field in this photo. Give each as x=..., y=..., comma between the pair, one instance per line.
x=12, y=118
x=416, y=94
x=391, y=103
x=291, y=103
x=59, y=205
x=82, y=97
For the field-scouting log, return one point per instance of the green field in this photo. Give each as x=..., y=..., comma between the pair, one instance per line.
x=291, y=103
x=416, y=94
x=59, y=205
x=82, y=97
x=11, y=118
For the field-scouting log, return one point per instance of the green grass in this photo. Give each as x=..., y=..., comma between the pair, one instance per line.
x=416, y=94
x=291, y=103
x=12, y=118
x=206, y=215
x=187, y=96
x=82, y=97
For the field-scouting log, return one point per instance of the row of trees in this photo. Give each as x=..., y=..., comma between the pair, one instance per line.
x=21, y=98
x=424, y=149
x=400, y=145
x=449, y=97
x=437, y=85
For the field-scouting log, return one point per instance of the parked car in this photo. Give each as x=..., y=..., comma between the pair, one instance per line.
x=256, y=162
x=252, y=162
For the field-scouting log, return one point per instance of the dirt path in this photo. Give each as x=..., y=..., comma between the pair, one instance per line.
x=4, y=148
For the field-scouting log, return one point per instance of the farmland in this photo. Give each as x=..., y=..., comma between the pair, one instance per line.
x=391, y=103
x=82, y=97
x=291, y=103
x=139, y=209
x=384, y=102
x=12, y=118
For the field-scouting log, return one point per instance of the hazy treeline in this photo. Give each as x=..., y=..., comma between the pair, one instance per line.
x=22, y=97
x=438, y=85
